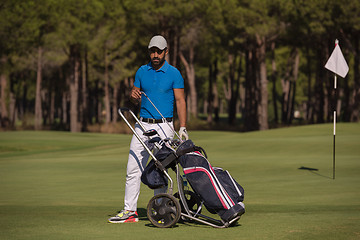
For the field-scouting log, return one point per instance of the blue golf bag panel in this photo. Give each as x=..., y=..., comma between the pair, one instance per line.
x=152, y=176
x=235, y=192
x=219, y=191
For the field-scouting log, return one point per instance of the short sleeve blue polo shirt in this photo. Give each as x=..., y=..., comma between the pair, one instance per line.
x=158, y=86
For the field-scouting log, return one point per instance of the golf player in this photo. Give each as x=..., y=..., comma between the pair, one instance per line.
x=164, y=85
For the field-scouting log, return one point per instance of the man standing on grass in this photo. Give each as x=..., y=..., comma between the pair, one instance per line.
x=163, y=84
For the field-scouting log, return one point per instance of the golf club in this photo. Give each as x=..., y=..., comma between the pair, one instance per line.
x=164, y=119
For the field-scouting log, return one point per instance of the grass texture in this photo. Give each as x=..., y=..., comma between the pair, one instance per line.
x=60, y=185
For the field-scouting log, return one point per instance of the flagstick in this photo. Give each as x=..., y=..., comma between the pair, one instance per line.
x=334, y=145
x=337, y=64
x=335, y=78
x=335, y=102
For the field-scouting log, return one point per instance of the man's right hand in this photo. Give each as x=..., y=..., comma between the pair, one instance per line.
x=135, y=95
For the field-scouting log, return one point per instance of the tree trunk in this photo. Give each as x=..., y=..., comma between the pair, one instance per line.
x=3, y=85
x=288, y=83
x=263, y=106
x=214, y=95
x=38, y=102
x=64, y=102
x=216, y=103
x=106, y=90
x=116, y=102
x=23, y=103
x=319, y=89
x=74, y=89
x=329, y=92
x=234, y=87
x=286, y=87
x=99, y=104
x=273, y=79
x=12, y=108
x=84, y=95
x=190, y=73
x=309, y=105
x=295, y=74
x=213, y=104
x=52, y=107
x=250, y=109
x=174, y=49
x=355, y=96
x=346, y=99
x=351, y=111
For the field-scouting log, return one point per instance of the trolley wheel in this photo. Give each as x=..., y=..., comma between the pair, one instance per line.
x=192, y=200
x=163, y=210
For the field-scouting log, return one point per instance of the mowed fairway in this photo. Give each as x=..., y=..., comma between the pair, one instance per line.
x=60, y=185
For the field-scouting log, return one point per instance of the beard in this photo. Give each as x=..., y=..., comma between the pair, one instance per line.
x=157, y=62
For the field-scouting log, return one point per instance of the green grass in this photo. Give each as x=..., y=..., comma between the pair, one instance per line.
x=60, y=185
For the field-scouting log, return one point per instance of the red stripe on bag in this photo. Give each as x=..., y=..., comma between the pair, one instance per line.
x=202, y=170
x=224, y=190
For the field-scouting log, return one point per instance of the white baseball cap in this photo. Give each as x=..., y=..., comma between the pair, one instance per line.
x=158, y=41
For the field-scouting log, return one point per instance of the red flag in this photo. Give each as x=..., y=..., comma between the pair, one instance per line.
x=337, y=63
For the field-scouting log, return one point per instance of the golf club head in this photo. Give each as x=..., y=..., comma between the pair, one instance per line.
x=150, y=133
x=155, y=139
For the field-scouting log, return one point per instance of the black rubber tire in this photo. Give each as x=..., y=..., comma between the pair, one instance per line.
x=163, y=210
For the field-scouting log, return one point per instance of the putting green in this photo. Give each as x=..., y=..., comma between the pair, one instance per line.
x=60, y=185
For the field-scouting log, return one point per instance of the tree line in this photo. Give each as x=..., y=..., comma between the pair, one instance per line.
x=71, y=63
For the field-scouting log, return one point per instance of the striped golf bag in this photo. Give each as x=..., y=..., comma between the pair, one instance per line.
x=220, y=193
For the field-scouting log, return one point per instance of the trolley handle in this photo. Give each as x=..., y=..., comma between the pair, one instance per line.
x=121, y=112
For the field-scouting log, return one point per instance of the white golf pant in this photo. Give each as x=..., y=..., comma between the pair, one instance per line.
x=138, y=158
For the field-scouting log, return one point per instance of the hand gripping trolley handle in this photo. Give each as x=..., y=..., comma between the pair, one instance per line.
x=164, y=210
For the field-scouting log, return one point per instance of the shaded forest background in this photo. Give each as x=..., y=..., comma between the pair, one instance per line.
x=247, y=64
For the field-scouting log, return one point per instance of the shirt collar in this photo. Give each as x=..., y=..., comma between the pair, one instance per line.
x=164, y=68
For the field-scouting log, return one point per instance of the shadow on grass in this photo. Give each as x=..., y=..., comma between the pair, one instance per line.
x=313, y=171
x=182, y=222
x=194, y=224
x=142, y=212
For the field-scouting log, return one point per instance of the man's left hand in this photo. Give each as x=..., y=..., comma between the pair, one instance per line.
x=183, y=133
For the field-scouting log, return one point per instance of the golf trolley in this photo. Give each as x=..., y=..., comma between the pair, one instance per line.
x=221, y=194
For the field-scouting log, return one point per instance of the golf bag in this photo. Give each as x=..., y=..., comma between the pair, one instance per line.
x=221, y=194
x=212, y=187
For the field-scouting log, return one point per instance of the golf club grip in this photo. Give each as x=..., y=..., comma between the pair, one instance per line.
x=124, y=109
